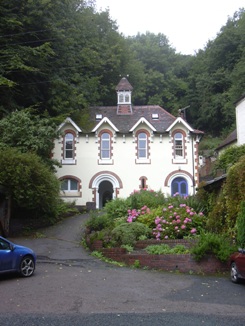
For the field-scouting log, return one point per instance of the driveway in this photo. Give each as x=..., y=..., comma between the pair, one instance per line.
x=68, y=280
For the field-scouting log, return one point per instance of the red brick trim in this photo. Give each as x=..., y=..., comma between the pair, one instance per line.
x=176, y=172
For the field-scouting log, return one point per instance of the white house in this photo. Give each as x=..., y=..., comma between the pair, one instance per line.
x=128, y=148
x=240, y=120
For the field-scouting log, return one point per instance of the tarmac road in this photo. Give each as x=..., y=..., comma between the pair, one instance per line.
x=70, y=287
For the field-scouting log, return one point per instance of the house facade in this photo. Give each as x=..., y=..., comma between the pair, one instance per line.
x=240, y=120
x=128, y=148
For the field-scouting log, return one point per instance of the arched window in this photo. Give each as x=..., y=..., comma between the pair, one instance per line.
x=124, y=98
x=127, y=98
x=105, y=146
x=178, y=145
x=69, y=185
x=142, y=146
x=69, y=146
x=179, y=186
x=121, y=98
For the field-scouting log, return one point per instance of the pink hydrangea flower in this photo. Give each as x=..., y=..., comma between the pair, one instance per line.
x=193, y=231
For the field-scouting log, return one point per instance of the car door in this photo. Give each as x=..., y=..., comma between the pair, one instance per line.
x=6, y=256
x=240, y=262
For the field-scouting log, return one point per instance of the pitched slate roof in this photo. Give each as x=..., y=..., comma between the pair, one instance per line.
x=230, y=139
x=125, y=122
x=125, y=116
x=124, y=85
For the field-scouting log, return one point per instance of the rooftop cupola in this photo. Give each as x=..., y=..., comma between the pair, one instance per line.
x=124, y=90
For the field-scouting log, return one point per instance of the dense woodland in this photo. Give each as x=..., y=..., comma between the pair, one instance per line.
x=59, y=57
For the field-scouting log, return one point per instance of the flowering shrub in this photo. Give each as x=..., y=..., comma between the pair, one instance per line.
x=133, y=214
x=178, y=222
x=148, y=197
x=169, y=222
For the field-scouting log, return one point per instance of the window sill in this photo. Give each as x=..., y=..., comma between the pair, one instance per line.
x=70, y=194
x=142, y=161
x=180, y=160
x=68, y=162
x=105, y=162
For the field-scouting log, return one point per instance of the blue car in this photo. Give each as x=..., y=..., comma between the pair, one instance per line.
x=15, y=258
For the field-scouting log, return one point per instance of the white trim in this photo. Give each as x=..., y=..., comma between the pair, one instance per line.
x=105, y=161
x=67, y=121
x=101, y=178
x=68, y=161
x=143, y=161
x=184, y=176
x=105, y=120
x=180, y=160
x=142, y=120
x=180, y=120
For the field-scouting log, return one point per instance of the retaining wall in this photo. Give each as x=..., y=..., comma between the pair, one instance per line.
x=184, y=263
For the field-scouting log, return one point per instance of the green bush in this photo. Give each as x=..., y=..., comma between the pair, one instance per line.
x=129, y=233
x=210, y=243
x=104, y=236
x=164, y=249
x=149, y=218
x=97, y=221
x=116, y=208
x=144, y=197
x=241, y=226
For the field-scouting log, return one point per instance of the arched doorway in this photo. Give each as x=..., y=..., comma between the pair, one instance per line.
x=105, y=186
x=179, y=185
x=105, y=192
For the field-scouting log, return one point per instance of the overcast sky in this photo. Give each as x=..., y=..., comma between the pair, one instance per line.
x=188, y=24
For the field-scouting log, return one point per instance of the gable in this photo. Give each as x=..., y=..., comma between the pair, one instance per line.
x=125, y=123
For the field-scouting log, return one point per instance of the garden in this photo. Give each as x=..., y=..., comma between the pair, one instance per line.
x=203, y=229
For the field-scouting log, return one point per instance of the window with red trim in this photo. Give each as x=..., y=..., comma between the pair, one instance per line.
x=105, y=146
x=178, y=145
x=69, y=146
x=142, y=145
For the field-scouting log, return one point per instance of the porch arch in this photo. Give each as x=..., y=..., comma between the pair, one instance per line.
x=104, y=184
x=180, y=174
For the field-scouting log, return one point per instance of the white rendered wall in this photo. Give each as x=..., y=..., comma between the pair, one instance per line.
x=124, y=157
x=240, y=122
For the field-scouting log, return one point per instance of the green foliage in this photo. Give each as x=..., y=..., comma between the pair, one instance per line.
x=234, y=191
x=174, y=222
x=149, y=218
x=209, y=143
x=224, y=206
x=28, y=133
x=229, y=157
x=136, y=263
x=144, y=197
x=116, y=208
x=240, y=226
x=97, y=221
x=216, y=219
x=210, y=243
x=128, y=248
x=164, y=249
x=129, y=233
x=29, y=183
x=195, y=202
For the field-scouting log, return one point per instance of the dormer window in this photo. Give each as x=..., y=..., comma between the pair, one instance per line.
x=124, y=97
x=98, y=116
x=155, y=116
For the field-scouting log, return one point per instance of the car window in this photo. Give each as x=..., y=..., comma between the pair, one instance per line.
x=3, y=245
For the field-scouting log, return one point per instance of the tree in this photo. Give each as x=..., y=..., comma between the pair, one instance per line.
x=229, y=157
x=29, y=134
x=241, y=226
x=164, y=81
x=29, y=183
